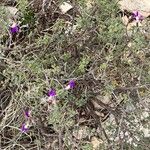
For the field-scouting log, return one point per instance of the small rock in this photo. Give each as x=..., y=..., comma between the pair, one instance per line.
x=65, y=7
x=90, y=3
x=125, y=20
x=9, y=12
x=81, y=133
x=96, y=142
x=13, y=10
x=146, y=132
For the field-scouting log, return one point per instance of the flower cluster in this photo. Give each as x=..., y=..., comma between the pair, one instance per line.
x=137, y=16
x=52, y=92
x=51, y=99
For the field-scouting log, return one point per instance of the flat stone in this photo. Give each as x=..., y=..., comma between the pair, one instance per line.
x=65, y=7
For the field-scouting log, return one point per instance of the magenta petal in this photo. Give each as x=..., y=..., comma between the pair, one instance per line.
x=137, y=16
x=51, y=92
x=14, y=29
x=27, y=113
x=72, y=84
x=24, y=128
x=137, y=13
x=141, y=17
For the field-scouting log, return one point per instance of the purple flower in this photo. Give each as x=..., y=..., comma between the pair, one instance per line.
x=137, y=16
x=24, y=127
x=51, y=93
x=51, y=96
x=14, y=28
x=27, y=113
x=71, y=85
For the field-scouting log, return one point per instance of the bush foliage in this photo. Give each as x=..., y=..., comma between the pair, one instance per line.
x=90, y=45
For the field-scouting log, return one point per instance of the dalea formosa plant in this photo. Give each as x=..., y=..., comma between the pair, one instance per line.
x=74, y=71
